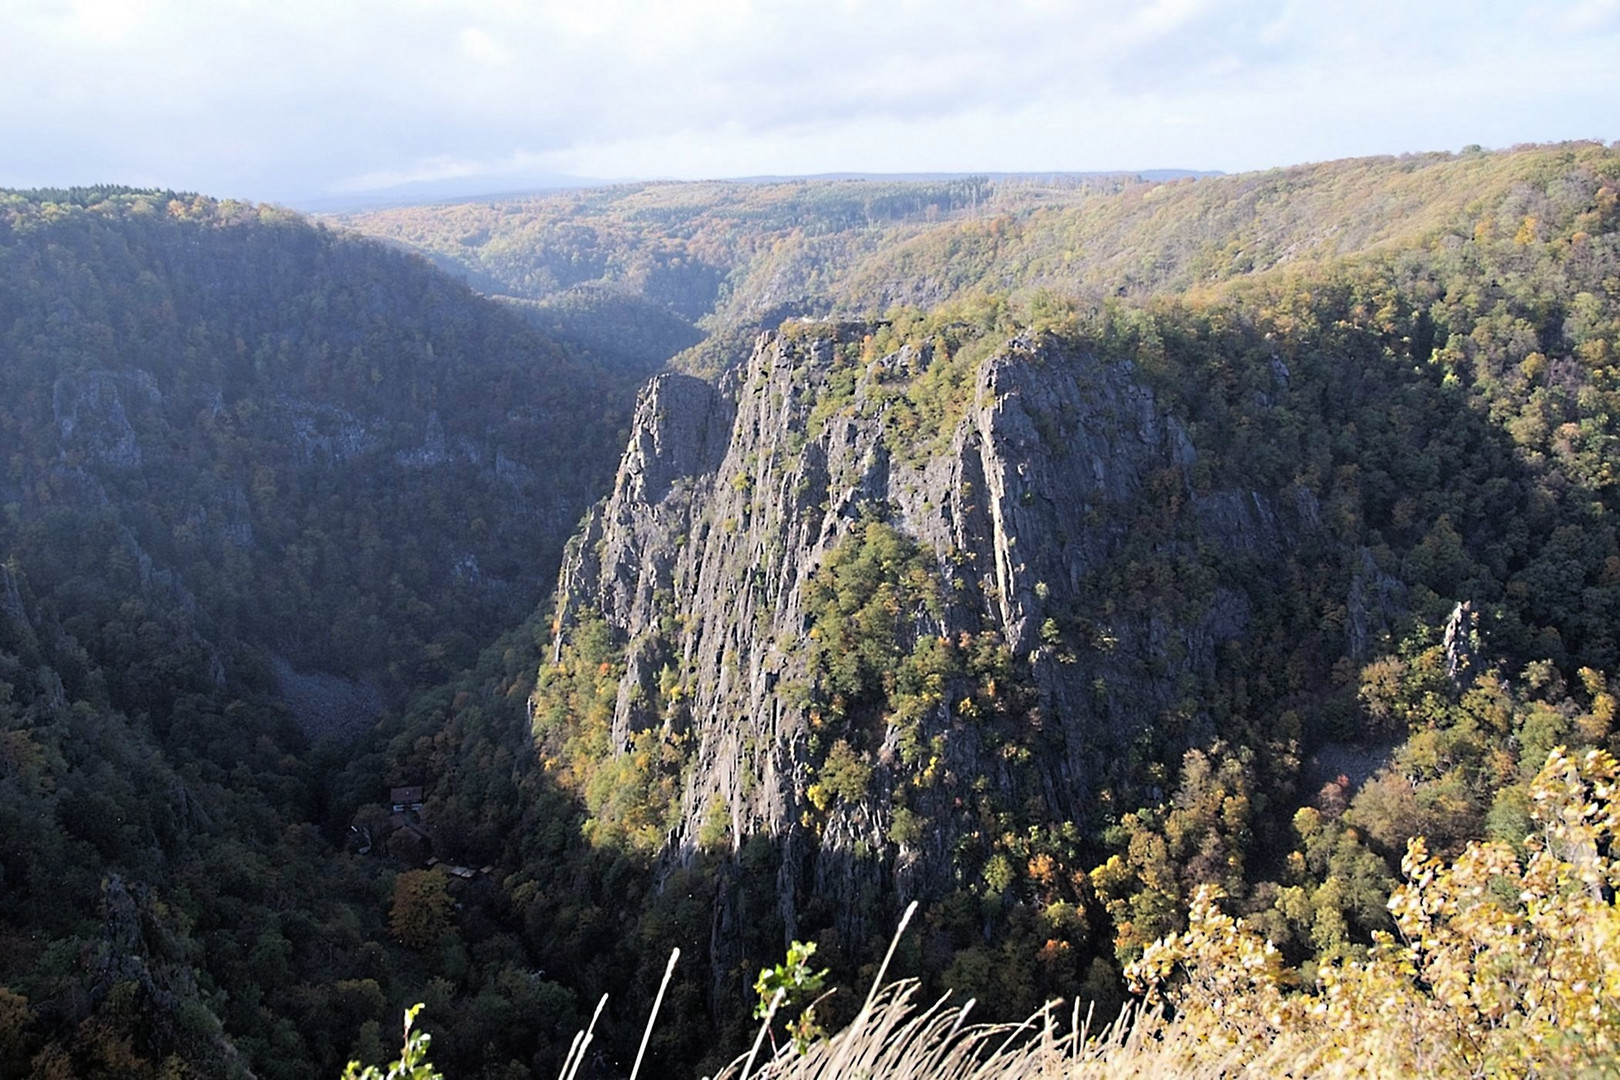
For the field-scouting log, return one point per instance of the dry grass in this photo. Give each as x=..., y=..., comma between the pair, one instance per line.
x=896, y=1037
x=899, y=1039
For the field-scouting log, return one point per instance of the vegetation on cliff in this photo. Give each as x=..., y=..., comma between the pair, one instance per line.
x=1500, y=966
x=1370, y=447
x=1125, y=569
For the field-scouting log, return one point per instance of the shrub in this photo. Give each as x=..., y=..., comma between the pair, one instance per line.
x=1501, y=966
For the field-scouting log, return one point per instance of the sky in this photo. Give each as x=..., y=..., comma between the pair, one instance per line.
x=288, y=100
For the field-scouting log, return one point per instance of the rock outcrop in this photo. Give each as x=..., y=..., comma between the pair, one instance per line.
x=729, y=499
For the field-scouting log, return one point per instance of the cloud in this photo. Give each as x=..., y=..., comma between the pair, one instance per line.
x=1589, y=16
x=108, y=21
x=482, y=50
x=300, y=97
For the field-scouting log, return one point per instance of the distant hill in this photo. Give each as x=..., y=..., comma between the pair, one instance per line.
x=483, y=189
x=1056, y=175
x=430, y=192
x=731, y=254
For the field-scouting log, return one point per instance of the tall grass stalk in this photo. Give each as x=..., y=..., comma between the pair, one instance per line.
x=895, y=1037
x=669, y=970
x=576, y=1052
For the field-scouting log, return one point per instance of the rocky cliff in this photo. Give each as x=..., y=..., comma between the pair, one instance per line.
x=1053, y=472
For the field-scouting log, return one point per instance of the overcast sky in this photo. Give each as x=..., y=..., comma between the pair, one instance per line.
x=297, y=99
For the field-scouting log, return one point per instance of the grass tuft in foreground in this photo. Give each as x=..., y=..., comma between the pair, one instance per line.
x=1502, y=965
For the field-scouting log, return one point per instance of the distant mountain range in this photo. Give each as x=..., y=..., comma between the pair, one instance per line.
x=482, y=189
x=425, y=192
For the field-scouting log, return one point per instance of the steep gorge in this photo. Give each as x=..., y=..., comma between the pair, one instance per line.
x=1036, y=605
x=1047, y=609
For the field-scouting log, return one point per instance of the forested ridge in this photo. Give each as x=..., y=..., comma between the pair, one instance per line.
x=261, y=480
x=717, y=255
x=1364, y=579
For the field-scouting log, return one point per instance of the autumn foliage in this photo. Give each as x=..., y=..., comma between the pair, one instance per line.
x=422, y=908
x=1501, y=963
x=1497, y=967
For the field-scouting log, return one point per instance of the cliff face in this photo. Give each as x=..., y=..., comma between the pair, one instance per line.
x=729, y=501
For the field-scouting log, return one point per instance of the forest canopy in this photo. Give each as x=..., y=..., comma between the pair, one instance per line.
x=292, y=737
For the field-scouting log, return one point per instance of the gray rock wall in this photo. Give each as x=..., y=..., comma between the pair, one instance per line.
x=729, y=498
